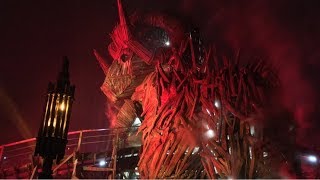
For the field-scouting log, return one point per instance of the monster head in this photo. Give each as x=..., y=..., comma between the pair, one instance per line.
x=137, y=43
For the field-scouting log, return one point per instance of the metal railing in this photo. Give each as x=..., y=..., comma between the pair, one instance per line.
x=18, y=156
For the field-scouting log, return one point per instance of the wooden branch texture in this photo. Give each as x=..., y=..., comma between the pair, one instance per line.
x=197, y=110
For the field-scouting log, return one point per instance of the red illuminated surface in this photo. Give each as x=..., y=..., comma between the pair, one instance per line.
x=286, y=31
x=192, y=86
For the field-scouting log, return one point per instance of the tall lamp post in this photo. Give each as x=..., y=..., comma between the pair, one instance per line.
x=53, y=131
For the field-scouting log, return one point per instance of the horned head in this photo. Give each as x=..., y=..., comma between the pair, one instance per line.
x=123, y=22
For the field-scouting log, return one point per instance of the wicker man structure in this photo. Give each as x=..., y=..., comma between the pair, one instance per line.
x=196, y=107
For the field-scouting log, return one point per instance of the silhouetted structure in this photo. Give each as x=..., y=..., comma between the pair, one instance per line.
x=53, y=131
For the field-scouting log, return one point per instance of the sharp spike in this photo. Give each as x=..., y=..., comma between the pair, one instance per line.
x=64, y=74
x=123, y=22
x=103, y=64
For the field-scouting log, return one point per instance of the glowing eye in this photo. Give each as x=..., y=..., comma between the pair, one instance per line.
x=124, y=57
x=167, y=43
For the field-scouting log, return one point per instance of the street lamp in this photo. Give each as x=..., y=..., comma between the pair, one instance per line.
x=53, y=131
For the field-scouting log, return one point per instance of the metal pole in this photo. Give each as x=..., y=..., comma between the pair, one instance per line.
x=75, y=158
x=79, y=142
x=114, y=154
x=34, y=171
x=75, y=162
x=46, y=169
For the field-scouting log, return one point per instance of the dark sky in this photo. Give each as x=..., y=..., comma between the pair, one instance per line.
x=34, y=35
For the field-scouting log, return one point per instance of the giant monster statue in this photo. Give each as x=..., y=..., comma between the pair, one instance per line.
x=197, y=108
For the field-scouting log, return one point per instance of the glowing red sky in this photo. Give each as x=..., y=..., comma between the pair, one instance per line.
x=34, y=35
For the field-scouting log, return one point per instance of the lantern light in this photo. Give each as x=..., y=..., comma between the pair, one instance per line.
x=62, y=106
x=52, y=136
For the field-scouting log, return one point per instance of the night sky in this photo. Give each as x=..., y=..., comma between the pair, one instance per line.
x=35, y=35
